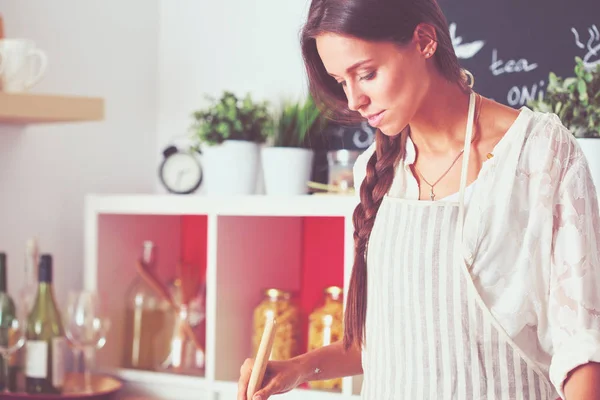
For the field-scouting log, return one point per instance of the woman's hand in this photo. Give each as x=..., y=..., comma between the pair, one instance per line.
x=280, y=377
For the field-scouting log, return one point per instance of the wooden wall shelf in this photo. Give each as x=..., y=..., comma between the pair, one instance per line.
x=30, y=108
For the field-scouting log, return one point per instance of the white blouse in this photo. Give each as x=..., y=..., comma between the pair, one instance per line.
x=532, y=238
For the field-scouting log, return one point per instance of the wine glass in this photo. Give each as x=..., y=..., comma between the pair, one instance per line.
x=12, y=338
x=86, y=327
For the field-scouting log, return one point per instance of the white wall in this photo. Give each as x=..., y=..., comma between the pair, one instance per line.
x=237, y=45
x=152, y=61
x=98, y=48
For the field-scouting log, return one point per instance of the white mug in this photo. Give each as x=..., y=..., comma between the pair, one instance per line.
x=19, y=70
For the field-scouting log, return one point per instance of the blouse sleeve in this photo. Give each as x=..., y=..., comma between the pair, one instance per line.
x=574, y=286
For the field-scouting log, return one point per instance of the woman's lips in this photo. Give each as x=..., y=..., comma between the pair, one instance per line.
x=375, y=119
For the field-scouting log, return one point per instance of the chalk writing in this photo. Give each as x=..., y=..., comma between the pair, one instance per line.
x=592, y=57
x=519, y=96
x=361, y=135
x=364, y=137
x=467, y=50
x=499, y=67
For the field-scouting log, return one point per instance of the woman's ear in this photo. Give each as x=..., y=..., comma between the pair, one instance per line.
x=425, y=38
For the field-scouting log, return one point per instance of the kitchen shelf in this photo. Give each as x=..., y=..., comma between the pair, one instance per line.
x=30, y=108
x=228, y=390
x=156, y=384
x=253, y=205
x=242, y=245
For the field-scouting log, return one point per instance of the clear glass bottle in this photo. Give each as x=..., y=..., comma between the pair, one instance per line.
x=28, y=291
x=148, y=320
x=185, y=357
x=340, y=163
x=278, y=303
x=325, y=326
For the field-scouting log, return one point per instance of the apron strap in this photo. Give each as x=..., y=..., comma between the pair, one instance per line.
x=465, y=163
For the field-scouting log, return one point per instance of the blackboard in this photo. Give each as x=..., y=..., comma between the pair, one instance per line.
x=511, y=46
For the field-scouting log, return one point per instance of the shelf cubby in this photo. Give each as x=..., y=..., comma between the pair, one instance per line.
x=240, y=246
x=302, y=255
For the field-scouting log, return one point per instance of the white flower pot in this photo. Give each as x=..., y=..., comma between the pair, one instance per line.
x=231, y=168
x=286, y=170
x=591, y=149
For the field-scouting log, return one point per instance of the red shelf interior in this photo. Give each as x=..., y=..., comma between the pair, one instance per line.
x=312, y=247
x=194, y=250
x=323, y=263
x=322, y=258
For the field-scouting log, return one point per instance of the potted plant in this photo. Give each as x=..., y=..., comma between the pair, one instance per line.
x=287, y=158
x=228, y=133
x=576, y=101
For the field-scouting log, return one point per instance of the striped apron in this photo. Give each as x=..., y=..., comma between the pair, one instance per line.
x=428, y=333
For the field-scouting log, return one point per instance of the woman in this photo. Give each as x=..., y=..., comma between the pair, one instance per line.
x=481, y=224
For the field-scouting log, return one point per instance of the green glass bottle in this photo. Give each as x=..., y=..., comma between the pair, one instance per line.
x=7, y=314
x=46, y=344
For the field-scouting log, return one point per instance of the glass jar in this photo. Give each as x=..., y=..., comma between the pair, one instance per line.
x=325, y=326
x=340, y=163
x=186, y=354
x=148, y=318
x=278, y=304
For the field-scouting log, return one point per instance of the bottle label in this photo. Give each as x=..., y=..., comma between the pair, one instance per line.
x=58, y=361
x=36, y=365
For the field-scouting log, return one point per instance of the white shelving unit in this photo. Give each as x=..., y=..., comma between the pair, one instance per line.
x=252, y=242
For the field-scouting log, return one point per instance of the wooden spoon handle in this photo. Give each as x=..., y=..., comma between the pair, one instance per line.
x=262, y=358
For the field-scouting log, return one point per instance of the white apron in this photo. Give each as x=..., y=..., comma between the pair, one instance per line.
x=428, y=333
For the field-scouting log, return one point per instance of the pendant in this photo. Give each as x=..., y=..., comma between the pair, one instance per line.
x=432, y=195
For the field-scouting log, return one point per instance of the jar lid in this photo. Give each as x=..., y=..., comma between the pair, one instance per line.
x=334, y=291
x=277, y=293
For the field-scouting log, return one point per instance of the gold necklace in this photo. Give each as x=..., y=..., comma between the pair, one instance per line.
x=432, y=194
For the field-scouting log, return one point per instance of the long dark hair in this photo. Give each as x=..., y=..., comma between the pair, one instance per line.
x=372, y=20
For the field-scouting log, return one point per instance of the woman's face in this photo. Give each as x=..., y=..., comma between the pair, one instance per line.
x=383, y=82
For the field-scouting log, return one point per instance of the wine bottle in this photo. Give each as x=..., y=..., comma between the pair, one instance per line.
x=45, y=351
x=27, y=293
x=30, y=266
x=7, y=314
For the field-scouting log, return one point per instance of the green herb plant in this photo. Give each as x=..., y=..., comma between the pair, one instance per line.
x=576, y=100
x=232, y=118
x=295, y=123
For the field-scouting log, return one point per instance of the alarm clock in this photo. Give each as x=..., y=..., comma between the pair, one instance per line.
x=180, y=171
